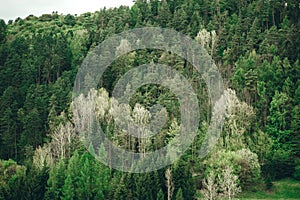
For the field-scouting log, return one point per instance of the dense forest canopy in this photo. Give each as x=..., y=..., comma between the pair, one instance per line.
x=256, y=46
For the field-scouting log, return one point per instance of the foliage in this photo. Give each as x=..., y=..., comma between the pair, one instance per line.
x=11, y=175
x=224, y=185
x=243, y=162
x=283, y=189
x=255, y=45
x=296, y=174
x=210, y=187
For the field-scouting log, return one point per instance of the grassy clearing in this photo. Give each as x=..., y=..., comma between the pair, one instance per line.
x=284, y=189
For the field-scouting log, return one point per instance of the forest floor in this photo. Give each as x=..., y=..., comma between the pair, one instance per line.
x=283, y=189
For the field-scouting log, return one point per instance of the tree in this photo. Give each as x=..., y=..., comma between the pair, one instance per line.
x=255, y=44
x=160, y=195
x=33, y=116
x=136, y=14
x=70, y=20
x=180, y=20
x=164, y=14
x=253, y=38
x=182, y=178
x=9, y=123
x=243, y=162
x=279, y=120
x=85, y=178
x=145, y=186
x=123, y=189
x=238, y=120
x=223, y=184
x=73, y=171
x=32, y=134
x=179, y=195
x=229, y=183
x=11, y=176
x=41, y=158
x=207, y=40
x=68, y=189
x=56, y=181
x=8, y=133
x=245, y=77
x=3, y=28
x=79, y=46
x=63, y=141
x=169, y=184
x=34, y=183
x=210, y=187
x=295, y=127
x=196, y=22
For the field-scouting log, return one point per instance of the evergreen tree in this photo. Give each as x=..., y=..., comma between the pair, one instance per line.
x=279, y=120
x=179, y=195
x=160, y=195
x=56, y=181
x=183, y=179
x=3, y=28
x=255, y=45
x=68, y=189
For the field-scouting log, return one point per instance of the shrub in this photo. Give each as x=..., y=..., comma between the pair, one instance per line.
x=244, y=164
x=296, y=173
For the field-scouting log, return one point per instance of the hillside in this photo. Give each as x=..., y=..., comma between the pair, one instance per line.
x=45, y=106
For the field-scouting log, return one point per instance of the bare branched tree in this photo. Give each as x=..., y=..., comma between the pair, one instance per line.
x=207, y=40
x=169, y=182
x=210, y=186
x=229, y=183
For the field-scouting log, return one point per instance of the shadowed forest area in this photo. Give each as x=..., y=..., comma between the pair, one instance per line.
x=255, y=45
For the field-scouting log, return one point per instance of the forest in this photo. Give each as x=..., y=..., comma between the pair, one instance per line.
x=255, y=45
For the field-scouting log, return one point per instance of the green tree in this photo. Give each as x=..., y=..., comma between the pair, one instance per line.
x=68, y=189
x=179, y=195
x=9, y=123
x=183, y=179
x=295, y=127
x=160, y=195
x=56, y=181
x=33, y=130
x=253, y=38
x=243, y=162
x=69, y=20
x=11, y=176
x=3, y=28
x=180, y=20
x=34, y=183
x=164, y=16
x=279, y=120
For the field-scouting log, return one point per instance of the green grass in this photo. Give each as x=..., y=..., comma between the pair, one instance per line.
x=284, y=189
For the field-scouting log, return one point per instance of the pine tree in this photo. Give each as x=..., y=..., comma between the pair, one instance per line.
x=160, y=195
x=278, y=126
x=68, y=189
x=34, y=182
x=295, y=127
x=183, y=179
x=179, y=195
x=56, y=181
x=3, y=28
x=164, y=14
x=9, y=124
